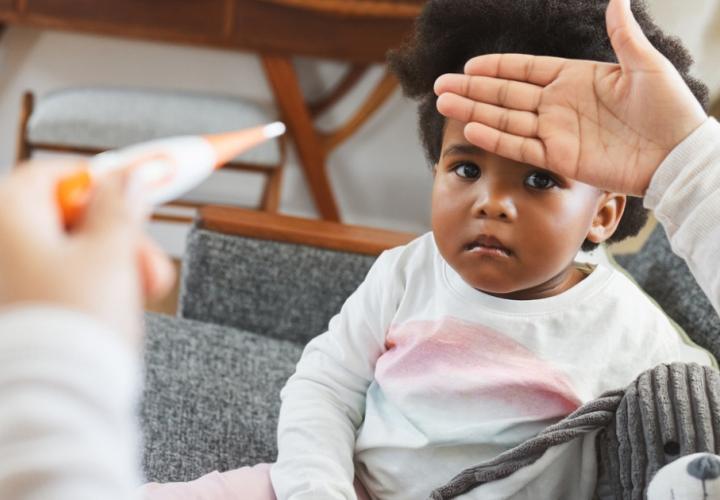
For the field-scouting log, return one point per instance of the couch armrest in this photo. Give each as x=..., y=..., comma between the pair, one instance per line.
x=311, y=232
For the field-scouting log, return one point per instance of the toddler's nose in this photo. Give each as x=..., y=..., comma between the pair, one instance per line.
x=494, y=204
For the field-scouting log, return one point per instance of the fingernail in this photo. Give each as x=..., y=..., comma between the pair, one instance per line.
x=436, y=85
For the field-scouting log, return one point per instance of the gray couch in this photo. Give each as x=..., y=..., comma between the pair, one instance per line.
x=255, y=288
x=250, y=301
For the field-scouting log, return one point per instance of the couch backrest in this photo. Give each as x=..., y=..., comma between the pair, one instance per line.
x=667, y=279
x=282, y=290
x=253, y=280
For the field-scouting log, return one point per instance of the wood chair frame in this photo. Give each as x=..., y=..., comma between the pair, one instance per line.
x=319, y=233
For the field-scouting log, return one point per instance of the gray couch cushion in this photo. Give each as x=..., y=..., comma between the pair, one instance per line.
x=211, y=397
x=112, y=117
x=667, y=279
x=277, y=289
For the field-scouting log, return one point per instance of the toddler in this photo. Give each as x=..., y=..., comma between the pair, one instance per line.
x=474, y=337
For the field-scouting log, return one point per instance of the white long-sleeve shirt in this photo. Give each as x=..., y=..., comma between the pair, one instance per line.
x=68, y=390
x=421, y=376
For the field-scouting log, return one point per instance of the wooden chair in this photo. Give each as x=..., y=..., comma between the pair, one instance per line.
x=356, y=31
x=91, y=120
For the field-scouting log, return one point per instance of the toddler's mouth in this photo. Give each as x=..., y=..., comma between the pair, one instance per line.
x=488, y=245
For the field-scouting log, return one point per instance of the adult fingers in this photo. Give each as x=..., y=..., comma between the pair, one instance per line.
x=522, y=123
x=49, y=171
x=111, y=217
x=29, y=197
x=514, y=147
x=537, y=70
x=41, y=177
x=156, y=270
x=501, y=92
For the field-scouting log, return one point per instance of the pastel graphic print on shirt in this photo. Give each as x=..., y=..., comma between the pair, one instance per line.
x=450, y=367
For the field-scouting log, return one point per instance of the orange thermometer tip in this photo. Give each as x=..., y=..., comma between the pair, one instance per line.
x=228, y=145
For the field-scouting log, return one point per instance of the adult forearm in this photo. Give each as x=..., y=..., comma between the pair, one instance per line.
x=68, y=388
x=685, y=195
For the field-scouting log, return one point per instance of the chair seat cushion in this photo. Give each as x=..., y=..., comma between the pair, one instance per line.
x=212, y=397
x=113, y=117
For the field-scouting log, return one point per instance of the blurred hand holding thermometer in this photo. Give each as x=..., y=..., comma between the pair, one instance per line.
x=163, y=169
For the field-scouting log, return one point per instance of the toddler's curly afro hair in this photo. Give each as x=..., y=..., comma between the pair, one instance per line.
x=449, y=32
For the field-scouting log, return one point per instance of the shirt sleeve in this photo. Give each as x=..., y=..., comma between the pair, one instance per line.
x=685, y=195
x=323, y=403
x=68, y=390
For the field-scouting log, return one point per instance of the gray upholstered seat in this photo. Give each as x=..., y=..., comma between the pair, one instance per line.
x=212, y=397
x=111, y=117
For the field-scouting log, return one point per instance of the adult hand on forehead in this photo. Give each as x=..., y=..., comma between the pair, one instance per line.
x=610, y=125
x=104, y=267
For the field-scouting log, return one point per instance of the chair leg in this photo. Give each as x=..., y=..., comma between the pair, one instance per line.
x=289, y=98
x=270, y=201
x=24, y=150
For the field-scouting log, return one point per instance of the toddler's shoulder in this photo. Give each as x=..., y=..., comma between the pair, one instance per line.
x=418, y=253
x=641, y=314
x=624, y=289
x=625, y=305
x=407, y=265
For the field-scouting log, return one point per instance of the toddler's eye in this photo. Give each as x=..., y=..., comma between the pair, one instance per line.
x=467, y=170
x=540, y=180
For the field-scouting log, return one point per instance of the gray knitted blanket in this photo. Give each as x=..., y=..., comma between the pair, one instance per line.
x=669, y=411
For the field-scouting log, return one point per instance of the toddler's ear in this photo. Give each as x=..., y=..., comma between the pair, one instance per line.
x=611, y=207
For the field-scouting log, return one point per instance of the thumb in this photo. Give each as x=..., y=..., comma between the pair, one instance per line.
x=156, y=271
x=632, y=48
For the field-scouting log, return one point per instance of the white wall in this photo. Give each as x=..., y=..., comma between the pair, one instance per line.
x=697, y=23
x=380, y=176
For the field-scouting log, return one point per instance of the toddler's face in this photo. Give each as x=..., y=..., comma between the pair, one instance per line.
x=508, y=228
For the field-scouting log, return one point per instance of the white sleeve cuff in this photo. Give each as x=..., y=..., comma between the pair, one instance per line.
x=681, y=180
x=69, y=387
